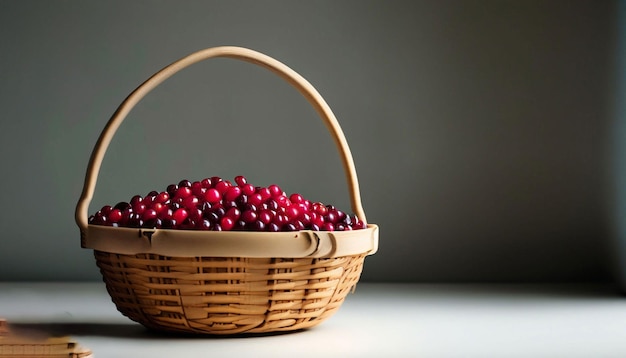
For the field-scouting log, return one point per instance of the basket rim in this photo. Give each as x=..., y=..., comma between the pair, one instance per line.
x=251, y=244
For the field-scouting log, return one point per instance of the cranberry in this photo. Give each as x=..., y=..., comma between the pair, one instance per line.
x=136, y=200
x=242, y=201
x=222, y=187
x=249, y=216
x=149, y=214
x=207, y=183
x=258, y=226
x=163, y=197
x=241, y=180
x=273, y=227
x=296, y=198
x=168, y=223
x=266, y=216
x=265, y=193
x=247, y=189
x=191, y=202
x=180, y=215
x=232, y=193
x=196, y=188
x=183, y=192
x=275, y=190
x=172, y=189
x=320, y=209
x=115, y=215
x=204, y=224
x=233, y=213
x=227, y=223
x=122, y=205
x=255, y=199
x=212, y=196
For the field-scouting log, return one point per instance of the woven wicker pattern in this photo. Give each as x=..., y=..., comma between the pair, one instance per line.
x=228, y=295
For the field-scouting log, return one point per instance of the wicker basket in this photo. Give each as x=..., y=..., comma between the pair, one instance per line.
x=227, y=282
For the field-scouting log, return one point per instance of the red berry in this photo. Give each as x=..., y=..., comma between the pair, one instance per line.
x=283, y=201
x=249, y=216
x=135, y=200
x=206, y=183
x=162, y=197
x=191, y=202
x=328, y=227
x=115, y=215
x=204, y=225
x=275, y=190
x=139, y=208
x=171, y=189
x=265, y=193
x=296, y=198
x=149, y=214
x=212, y=196
x=320, y=208
x=196, y=188
x=180, y=215
x=241, y=180
x=266, y=216
x=247, y=189
x=227, y=223
x=255, y=199
x=292, y=212
x=232, y=193
x=233, y=213
x=183, y=192
x=222, y=186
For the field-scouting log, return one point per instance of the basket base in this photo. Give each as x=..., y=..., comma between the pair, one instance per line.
x=217, y=295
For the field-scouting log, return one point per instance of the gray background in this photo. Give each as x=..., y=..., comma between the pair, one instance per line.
x=481, y=130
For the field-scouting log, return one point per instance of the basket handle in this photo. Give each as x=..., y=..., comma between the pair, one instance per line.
x=239, y=53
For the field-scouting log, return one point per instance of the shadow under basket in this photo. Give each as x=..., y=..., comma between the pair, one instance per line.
x=229, y=282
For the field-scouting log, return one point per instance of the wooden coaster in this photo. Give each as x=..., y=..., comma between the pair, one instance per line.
x=35, y=346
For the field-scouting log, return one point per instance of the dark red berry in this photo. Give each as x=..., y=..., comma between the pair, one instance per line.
x=180, y=215
x=241, y=180
x=206, y=183
x=122, y=205
x=227, y=223
x=171, y=189
x=115, y=216
x=249, y=216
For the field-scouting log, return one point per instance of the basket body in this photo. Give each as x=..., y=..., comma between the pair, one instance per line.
x=225, y=295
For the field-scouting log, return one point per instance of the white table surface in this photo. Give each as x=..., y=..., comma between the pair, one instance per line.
x=379, y=320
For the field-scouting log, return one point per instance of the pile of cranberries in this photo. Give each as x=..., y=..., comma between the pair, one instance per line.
x=219, y=205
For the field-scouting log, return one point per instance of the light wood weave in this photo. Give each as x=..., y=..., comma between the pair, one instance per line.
x=220, y=295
